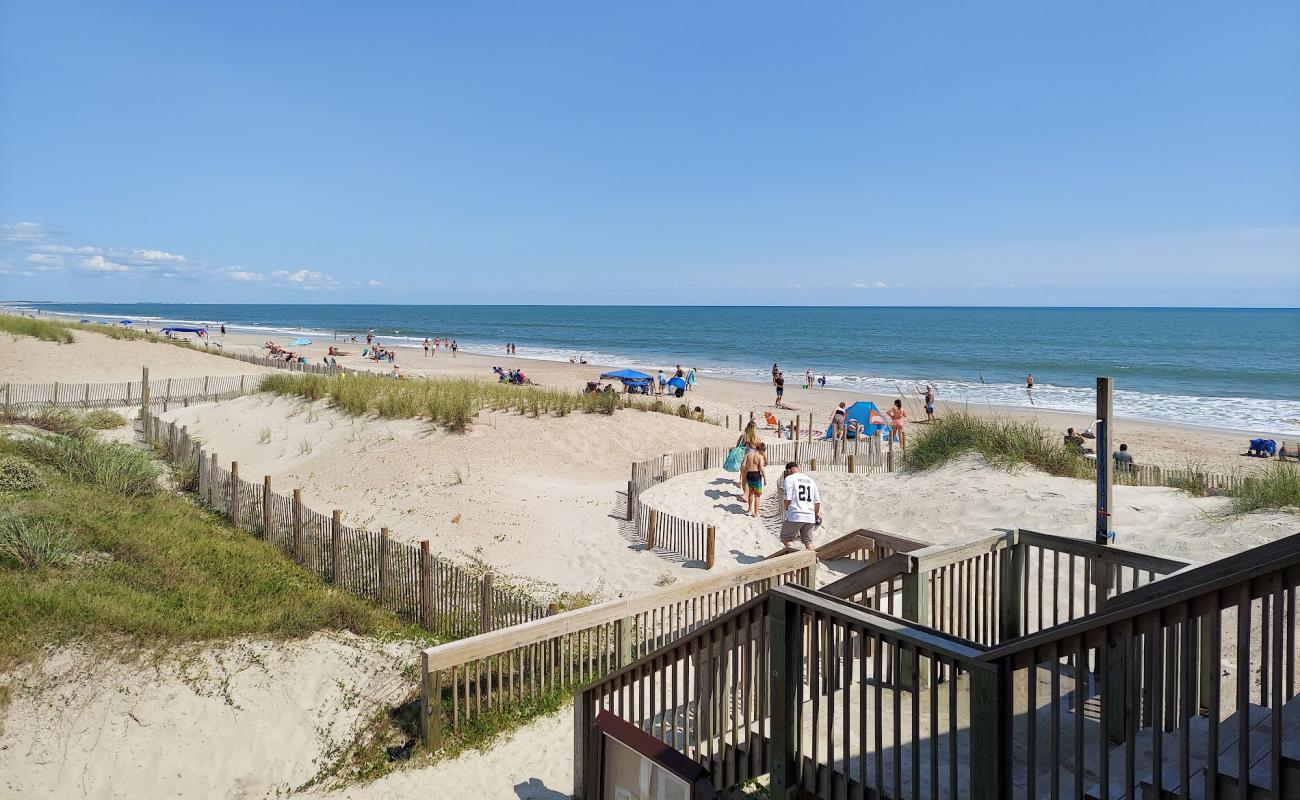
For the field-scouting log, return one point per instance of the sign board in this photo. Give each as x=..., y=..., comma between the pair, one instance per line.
x=633, y=765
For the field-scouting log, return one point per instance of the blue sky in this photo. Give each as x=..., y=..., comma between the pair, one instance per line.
x=883, y=153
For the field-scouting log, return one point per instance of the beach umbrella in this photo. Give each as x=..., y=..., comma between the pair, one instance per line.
x=125, y=322
x=677, y=383
x=84, y=322
x=300, y=342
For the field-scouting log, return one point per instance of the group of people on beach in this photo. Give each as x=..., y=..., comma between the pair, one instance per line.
x=431, y=346
x=685, y=381
x=275, y=351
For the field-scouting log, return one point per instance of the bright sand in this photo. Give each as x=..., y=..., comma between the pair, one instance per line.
x=537, y=499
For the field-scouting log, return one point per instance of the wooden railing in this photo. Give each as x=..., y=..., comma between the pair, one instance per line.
x=163, y=392
x=465, y=679
x=408, y=580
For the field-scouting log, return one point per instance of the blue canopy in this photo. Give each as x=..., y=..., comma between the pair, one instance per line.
x=865, y=413
x=125, y=322
x=184, y=329
x=627, y=375
x=677, y=383
x=84, y=322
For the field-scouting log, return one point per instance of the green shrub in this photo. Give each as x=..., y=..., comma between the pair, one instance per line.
x=114, y=466
x=1278, y=488
x=18, y=475
x=1003, y=442
x=32, y=543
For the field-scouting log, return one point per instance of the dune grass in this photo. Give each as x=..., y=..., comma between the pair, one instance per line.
x=450, y=403
x=1278, y=488
x=87, y=562
x=1002, y=442
x=43, y=329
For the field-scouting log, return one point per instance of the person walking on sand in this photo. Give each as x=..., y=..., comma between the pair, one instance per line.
x=749, y=440
x=808, y=379
x=803, y=509
x=929, y=403
x=780, y=389
x=897, y=418
x=690, y=379
x=775, y=371
x=454, y=348
x=426, y=347
x=752, y=470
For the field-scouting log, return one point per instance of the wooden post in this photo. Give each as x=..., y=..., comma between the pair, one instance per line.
x=241, y=384
x=812, y=464
x=889, y=457
x=711, y=534
x=913, y=670
x=485, y=605
x=1011, y=614
x=631, y=498
x=234, y=493
x=297, y=524
x=990, y=736
x=853, y=463
x=430, y=705
x=212, y=474
x=1101, y=573
x=785, y=621
x=810, y=426
x=794, y=428
x=728, y=419
x=624, y=630
x=144, y=392
x=168, y=398
x=425, y=606
x=336, y=544
x=651, y=526
x=383, y=566
x=171, y=442
x=205, y=385
x=266, y=508
x=55, y=401
x=86, y=402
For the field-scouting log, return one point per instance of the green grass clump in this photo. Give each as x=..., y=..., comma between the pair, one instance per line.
x=33, y=543
x=17, y=474
x=103, y=420
x=43, y=329
x=450, y=403
x=1278, y=488
x=113, y=466
x=164, y=572
x=1004, y=442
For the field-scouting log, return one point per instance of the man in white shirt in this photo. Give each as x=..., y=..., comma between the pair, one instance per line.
x=803, y=508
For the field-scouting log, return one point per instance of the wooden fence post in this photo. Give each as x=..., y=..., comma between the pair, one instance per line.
x=298, y=524
x=266, y=508
x=889, y=459
x=710, y=534
x=630, y=499
x=336, y=544
x=383, y=566
x=425, y=608
x=234, y=493
x=212, y=477
x=128, y=388
x=785, y=621
x=168, y=398
x=651, y=525
x=913, y=670
x=624, y=630
x=812, y=464
x=990, y=734
x=241, y=384
x=144, y=392
x=55, y=401
x=430, y=705
x=853, y=463
x=1011, y=614
x=86, y=402
x=205, y=385
x=485, y=604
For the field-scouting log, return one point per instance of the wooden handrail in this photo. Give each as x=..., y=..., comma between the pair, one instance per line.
x=902, y=544
x=445, y=656
x=1153, y=562
x=1179, y=588
x=871, y=575
x=942, y=555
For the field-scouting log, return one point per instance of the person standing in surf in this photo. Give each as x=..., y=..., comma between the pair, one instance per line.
x=929, y=403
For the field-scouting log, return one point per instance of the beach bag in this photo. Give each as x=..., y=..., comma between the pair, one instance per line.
x=734, y=459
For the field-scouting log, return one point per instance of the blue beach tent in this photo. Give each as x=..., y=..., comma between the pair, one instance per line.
x=626, y=375
x=125, y=322
x=185, y=329
x=863, y=412
x=677, y=383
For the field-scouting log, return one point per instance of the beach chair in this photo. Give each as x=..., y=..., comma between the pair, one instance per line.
x=771, y=420
x=1289, y=451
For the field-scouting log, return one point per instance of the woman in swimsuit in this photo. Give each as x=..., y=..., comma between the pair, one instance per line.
x=752, y=469
x=897, y=417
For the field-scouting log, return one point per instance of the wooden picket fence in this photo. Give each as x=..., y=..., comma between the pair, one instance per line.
x=408, y=580
x=1189, y=478
x=278, y=363
x=164, y=392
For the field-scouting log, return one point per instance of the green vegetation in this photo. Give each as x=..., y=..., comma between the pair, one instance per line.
x=451, y=403
x=18, y=475
x=57, y=420
x=1278, y=488
x=94, y=557
x=103, y=420
x=1003, y=442
x=43, y=329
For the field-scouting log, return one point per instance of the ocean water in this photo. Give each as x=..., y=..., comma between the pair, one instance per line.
x=1233, y=368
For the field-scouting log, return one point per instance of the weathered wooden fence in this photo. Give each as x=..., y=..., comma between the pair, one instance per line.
x=163, y=392
x=408, y=580
x=278, y=363
x=465, y=679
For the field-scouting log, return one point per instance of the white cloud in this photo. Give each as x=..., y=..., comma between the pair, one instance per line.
x=45, y=261
x=101, y=264
x=240, y=275
x=23, y=233
x=373, y=282
x=64, y=249
x=157, y=257
x=304, y=279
